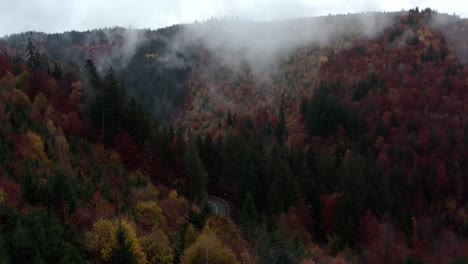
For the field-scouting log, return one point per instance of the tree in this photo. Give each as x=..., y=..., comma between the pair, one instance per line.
x=34, y=58
x=281, y=128
x=11, y=191
x=101, y=241
x=149, y=214
x=114, y=243
x=4, y=254
x=329, y=208
x=22, y=246
x=249, y=217
x=157, y=248
x=248, y=181
x=208, y=249
x=194, y=171
x=37, y=237
x=127, y=250
x=283, y=190
x=93, y=76
x=353, y=185
x=57, y=71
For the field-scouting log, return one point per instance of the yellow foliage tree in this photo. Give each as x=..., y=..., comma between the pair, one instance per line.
x=157, y=247
x=191, y=235
x=57, y=142
x=101, y=240
x=323, y=60
x=38, y=146
x=132, y=242
x=3, y=196
x=20, y=99
x=40, y=103
x=230, y=236
x=21, y=81
x=75, y=95
x=61, y=146
x=7, y=82
x=145, y=193
x=150, y=213
x=208, y=249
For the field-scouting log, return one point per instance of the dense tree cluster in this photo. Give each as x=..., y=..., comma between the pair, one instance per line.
x=347, y=153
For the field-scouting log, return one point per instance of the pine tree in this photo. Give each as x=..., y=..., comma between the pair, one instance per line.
x=22, y=246
x=113, y=102
x=281, y=128
x=194, y=171
x=122, y=253
x=229, y=119
x=4, y=255
x=34, y=59
x=283, y=190
x=93, y=75
x=57, y=72
x=249, y=217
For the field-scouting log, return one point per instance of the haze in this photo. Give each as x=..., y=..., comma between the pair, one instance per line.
x=58, y=16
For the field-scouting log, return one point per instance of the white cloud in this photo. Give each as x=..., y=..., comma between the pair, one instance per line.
x=58, y=15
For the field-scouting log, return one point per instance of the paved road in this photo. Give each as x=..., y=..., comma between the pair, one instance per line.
x=218, y=205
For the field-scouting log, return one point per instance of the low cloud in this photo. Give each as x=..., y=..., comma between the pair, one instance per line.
x=58, y=16
x=261, y=44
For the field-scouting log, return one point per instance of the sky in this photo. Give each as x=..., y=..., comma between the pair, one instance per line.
x=64, y=15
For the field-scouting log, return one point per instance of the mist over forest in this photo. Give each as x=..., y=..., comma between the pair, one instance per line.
x=326, y=139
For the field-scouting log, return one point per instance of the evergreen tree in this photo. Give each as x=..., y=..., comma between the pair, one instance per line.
x=4, y=252
x=229, y=119
x=249, y=217
x=122, y=253
x=33, y=57
x=57, y=72
x=283, y=190
x=281, y=128
x=93, y=75
x=113, y=102
x=354, y=203
x=22, y=246
x=194, y=171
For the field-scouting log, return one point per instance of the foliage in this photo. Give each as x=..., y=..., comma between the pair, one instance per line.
x=208, y=248
x=349, y=151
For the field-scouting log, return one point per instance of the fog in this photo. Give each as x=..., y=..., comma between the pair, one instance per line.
x=58, y=16
x=261, y=44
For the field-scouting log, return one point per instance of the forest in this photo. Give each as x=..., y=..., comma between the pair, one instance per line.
x=345, y=149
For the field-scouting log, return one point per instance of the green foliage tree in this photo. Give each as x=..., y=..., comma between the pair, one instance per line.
x=4, y=249
x=122, y=253
x=280, y=131
x=249, y=217
x=194, y=171
x=33, y=57
x=283, y=183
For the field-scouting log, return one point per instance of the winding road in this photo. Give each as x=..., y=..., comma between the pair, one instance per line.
x=218, y=205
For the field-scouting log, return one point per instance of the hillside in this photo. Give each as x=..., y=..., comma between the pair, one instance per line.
x=336, y=139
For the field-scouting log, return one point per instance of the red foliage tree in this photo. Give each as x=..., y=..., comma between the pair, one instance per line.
x=128, y=150
x=368, y=230
x=5, y=65
x=12, y=190
x=329, y=207
x=83, y=218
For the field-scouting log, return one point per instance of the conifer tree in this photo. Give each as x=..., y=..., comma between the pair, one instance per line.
x=194, y=171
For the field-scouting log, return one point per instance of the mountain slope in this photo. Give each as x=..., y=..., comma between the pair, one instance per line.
x=333, y=139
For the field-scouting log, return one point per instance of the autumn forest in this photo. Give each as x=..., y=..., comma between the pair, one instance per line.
x=334, y=139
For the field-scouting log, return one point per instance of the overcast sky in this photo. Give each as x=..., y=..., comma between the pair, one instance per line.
x=64, y=15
